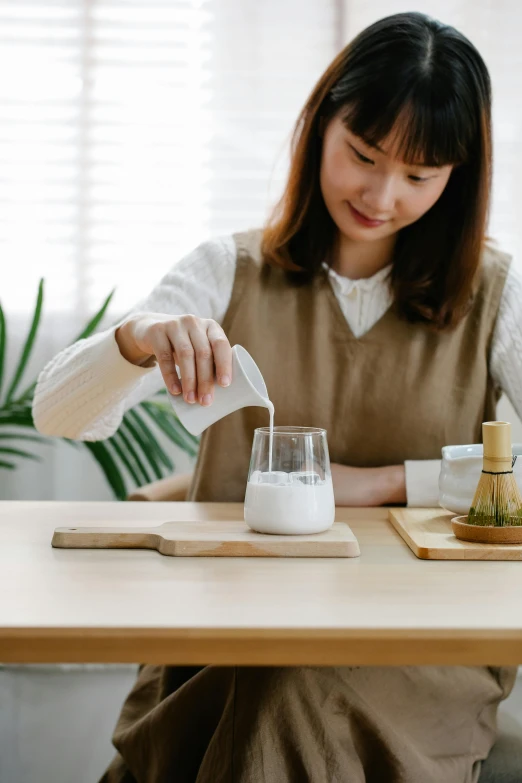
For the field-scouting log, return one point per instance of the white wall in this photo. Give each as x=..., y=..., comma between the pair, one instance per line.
x=56, y=723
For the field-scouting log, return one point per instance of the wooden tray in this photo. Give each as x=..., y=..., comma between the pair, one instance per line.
x=428, y=533
x=210, y=539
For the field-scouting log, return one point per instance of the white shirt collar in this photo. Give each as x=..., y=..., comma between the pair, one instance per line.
x=345, y=284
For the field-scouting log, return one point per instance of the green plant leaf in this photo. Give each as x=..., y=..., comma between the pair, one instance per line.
x=16, y=417
x=146, y=478
x=120, y=451
x=109, y=467
x=164, y=418
x=168, y=427
x=167, y=410
x=95, y=320
x=144, y=445
x=28, y=347
x=7, y=465
x=154, y=444
x=3, y=343
x=22, y=436
x=18, y=453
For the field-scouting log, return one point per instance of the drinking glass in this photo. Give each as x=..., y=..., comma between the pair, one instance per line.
x=293, y=495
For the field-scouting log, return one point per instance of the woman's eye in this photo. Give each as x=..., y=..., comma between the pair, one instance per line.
x=362, y=158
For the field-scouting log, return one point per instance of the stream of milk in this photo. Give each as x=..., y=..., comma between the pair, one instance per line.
x=270, y=407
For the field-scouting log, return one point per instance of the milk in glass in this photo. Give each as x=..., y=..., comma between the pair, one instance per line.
x=295, y=495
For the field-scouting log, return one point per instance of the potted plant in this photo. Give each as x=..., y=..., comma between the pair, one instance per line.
x=133, y=456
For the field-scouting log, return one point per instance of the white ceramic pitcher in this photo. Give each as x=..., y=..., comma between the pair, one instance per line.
x=247, y=388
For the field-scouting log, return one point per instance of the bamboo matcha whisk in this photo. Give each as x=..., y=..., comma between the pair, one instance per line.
x=497, y=500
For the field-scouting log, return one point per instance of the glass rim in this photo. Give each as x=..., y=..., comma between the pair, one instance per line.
x=289, y=430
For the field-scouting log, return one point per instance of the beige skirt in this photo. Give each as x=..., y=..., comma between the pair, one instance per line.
x=405, y=724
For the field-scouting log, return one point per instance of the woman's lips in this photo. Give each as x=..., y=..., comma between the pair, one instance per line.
x=363, y=220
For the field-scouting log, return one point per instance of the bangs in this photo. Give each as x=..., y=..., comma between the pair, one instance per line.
x=424, y=133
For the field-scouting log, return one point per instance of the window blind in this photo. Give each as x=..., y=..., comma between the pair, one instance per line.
x=131, y=131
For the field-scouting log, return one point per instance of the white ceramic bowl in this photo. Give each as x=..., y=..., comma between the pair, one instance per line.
x=460, y=473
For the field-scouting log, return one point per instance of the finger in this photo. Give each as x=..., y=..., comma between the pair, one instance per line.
x=222, y=353
x=184, y=355
x=164, y=353
x=204, y=363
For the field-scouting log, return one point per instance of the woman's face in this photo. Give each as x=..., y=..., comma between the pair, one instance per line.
x=359, y=181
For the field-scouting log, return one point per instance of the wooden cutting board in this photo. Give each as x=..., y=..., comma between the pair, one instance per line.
x=207, y=538
x=428, y=533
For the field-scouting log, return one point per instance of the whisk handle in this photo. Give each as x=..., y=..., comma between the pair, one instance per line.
x=498, y=455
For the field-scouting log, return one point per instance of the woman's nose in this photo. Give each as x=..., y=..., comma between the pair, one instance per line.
x=379, y=197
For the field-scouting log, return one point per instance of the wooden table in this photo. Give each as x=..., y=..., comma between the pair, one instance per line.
x=385, y=607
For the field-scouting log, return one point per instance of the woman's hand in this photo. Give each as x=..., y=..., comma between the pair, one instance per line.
x=198, y=346
x=368, y=486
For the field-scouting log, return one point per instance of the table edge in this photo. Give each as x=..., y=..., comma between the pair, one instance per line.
x=262, y=646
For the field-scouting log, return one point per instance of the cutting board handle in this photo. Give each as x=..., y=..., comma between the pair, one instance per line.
x=105, y=538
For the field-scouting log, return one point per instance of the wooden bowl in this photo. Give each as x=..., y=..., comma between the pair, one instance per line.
x=486, y=534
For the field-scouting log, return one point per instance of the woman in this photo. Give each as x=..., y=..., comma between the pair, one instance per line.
x=371, y=296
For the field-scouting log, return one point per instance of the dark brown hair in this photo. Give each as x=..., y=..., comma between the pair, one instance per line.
x=404, y=65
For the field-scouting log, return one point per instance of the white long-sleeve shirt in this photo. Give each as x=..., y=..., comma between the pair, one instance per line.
x=84, y=391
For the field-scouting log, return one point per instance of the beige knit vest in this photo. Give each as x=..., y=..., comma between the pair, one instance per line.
x=398, y=392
